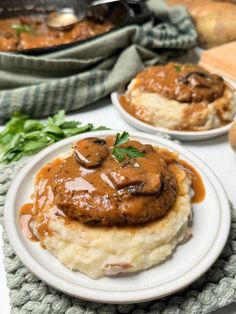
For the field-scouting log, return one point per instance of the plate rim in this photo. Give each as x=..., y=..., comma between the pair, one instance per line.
x=181, y=135
x=117, y=296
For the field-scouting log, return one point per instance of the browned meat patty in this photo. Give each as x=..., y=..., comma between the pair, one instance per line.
x=93, y=187
x=182, y=82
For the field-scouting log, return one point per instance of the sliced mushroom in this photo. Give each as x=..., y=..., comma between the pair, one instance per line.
x=152, y=185
x=196, y=78
x=136, y=180
x=91, y=152
x=126, y=177
x=147, y=148
x=6, y=35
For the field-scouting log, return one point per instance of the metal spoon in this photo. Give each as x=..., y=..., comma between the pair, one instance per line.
x=66, y=18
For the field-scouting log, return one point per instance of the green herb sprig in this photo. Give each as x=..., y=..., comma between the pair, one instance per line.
x=177, y=68
x=23, y=28
x=23, y=136
x=120, y=153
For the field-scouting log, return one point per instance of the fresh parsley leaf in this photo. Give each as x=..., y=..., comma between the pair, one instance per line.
x=58, y=119
x=34, y=135
x=16, y=123
x=23, y=136
x=101, y=128
x=130, y=151
x=70, y=124
x=177, y=68
x=120, y=153
x=121, y=138
x=53, y=129
x=23, y=28
x=32, y=147
x=32, y=125
x=5, y=138
x=74, y=131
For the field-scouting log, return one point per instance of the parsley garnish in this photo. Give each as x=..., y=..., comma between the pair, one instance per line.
x=120, y=153
x=24, y=136
x=177, y=68
x=23, y=28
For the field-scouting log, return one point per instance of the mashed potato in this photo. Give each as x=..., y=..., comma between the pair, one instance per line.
x=171, y=114
x=164, y=103
x=105, y=251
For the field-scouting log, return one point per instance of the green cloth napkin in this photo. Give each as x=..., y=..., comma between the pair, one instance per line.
x=74, y=77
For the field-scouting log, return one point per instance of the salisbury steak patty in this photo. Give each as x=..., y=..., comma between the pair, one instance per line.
x=181, y=82
x=93, y=187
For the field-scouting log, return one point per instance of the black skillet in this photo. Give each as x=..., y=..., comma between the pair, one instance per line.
x=130, y=12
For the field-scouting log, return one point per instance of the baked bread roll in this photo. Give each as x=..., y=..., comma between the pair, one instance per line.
x=215, y=20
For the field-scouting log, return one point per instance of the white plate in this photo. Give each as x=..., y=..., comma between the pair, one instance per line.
x=180, y=135
x=211, y=224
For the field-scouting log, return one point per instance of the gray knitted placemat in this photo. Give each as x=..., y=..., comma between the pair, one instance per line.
x=72, y=78
x=28, y=294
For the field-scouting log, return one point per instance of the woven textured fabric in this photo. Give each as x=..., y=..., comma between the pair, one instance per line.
x=28, y=294
x=77, y=76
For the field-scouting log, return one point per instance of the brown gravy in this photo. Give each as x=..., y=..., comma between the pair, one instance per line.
x=43, y=207
x=197, y=183
x=38, y=35
x=126, y=104
x=181, y=82
x=42, y=200
x=26, y=216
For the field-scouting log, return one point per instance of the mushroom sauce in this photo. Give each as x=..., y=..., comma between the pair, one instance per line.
x=185, y=83
x=108, y=193
x=29, y=32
